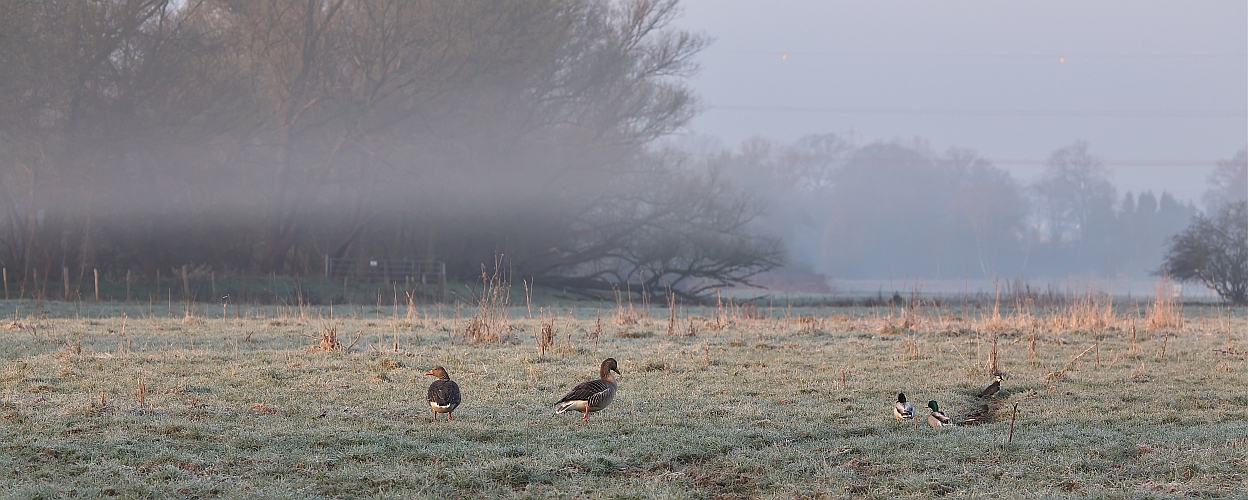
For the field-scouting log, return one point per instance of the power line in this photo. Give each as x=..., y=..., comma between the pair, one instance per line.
x=784, y=54
x=1117, y=163
x=1015, y=162
x=1112, y=113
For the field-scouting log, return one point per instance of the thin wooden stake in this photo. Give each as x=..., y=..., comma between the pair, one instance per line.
x=1098, y=351
x=6, y=283
x=994, y=353
x=96, y=272
x=1164, y=341
x=1133, y=346
x=1012, y=419
x=1031, y=350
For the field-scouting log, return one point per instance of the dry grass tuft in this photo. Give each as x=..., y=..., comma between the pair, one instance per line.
x=329, y=339
x=490, y=324
x=1093, y=310
x=1165, y=312
x=628, y=315
x=545, y=335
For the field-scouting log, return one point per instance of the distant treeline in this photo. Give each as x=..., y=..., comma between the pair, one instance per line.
x=255, y=137
x=901, y=210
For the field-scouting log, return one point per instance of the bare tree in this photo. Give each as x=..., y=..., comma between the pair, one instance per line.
x=1074, y=186
x=1228, y=183
x=1214, y=252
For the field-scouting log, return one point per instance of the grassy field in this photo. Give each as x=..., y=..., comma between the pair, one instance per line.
x=113, y=401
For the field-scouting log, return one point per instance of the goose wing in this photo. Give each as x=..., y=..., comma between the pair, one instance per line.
x=591, y=391
x=444, y=393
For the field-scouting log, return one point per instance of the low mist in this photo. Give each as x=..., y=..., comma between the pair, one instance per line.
x=266, y=137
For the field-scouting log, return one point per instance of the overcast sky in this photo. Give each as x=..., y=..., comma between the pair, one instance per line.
x=1159, y=89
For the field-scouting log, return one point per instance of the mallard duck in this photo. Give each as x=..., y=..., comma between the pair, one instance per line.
x=443, y=393
x=991, y=390
x=903, y=410
x=591, y=395
x=937, y=418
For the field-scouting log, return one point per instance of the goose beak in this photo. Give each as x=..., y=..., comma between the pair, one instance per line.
x=430, y=372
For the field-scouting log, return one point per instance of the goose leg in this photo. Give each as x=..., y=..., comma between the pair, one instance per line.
x=586, y=419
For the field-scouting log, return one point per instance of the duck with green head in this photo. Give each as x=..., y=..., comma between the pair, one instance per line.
x=937, y=418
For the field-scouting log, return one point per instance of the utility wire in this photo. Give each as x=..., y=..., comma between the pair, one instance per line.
x=1115, y=113
x=728, y=155
x=784, y=54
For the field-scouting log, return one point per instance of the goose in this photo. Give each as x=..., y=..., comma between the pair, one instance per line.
x=937, y=418
x=591, y=395
x=903, y=410
x=991, y=390
x=443, y=393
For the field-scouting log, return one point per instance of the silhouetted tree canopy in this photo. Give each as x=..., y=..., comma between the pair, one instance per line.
x=1214, y=251
x=1228, y=183
x=259, y=136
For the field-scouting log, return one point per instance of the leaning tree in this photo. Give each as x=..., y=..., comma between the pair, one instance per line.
x=1214, y=251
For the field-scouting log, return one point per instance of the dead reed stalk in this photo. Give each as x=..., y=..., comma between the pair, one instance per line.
x=1133, y=341
x=626, y=316
x=597, y=333
x=545, y=334
x=489, y=324
x=1165, y=340
x=671, y=314
x=329, y=339
x=1092, y=311
x=1058, y=374
x=412, y=313
x=994, y=369
x=1165, y=312
x=1031, y=349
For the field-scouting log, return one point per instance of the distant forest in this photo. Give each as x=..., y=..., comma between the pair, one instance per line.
x=899, y=209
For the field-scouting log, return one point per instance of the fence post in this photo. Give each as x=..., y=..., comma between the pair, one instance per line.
x=442, y=281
